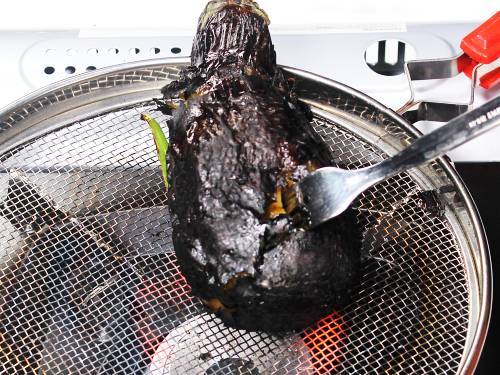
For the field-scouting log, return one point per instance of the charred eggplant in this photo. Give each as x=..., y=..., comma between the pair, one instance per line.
x=239, y=141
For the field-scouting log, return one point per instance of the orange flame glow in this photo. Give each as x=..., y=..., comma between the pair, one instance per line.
x=326, y=342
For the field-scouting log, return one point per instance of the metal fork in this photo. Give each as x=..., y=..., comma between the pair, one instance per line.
x=328, y=192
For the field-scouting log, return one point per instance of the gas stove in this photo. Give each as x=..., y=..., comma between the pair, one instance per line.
x=367, y=59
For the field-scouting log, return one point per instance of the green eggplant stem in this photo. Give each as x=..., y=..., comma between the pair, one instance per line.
x=161, y=144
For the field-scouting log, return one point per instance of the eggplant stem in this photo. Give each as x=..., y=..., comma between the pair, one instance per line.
x=161, y=144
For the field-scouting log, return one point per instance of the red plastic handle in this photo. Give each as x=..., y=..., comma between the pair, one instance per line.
x=482, y=46
x=490, y=79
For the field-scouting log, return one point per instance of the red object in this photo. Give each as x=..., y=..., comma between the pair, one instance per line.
x=490, y=79
x=173, y=291
x=482, y=46
x=326, y=343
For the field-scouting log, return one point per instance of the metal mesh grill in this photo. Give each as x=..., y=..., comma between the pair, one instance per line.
x=90, y=283
x=118, y=78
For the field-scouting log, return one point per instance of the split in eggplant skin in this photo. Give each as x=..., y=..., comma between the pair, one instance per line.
x=239, y=141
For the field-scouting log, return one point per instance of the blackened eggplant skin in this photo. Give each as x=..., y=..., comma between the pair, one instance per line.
x=237, y=140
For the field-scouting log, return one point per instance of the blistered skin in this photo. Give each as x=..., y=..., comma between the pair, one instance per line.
x=237, y=138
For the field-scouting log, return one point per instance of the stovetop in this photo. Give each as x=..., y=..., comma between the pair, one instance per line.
x=35, y=59
x=31, y=60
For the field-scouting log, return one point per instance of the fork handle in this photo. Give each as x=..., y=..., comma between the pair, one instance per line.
x=435, y=144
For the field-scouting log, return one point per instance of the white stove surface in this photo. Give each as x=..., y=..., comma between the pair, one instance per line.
x=335, y=52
